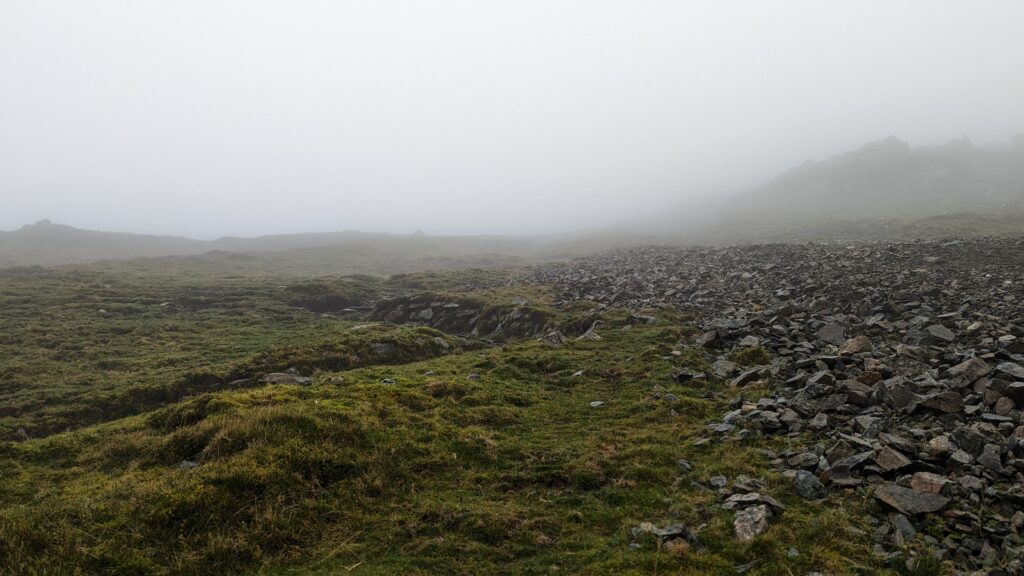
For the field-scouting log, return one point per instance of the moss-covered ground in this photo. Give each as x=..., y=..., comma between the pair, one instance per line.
x=448, y=458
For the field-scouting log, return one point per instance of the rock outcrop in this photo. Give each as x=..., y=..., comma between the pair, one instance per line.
x=464, y=316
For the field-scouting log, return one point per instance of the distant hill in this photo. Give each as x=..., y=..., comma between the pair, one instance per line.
x=889, y=179
x=885, y=189
x=45, y=243
x=49, y=244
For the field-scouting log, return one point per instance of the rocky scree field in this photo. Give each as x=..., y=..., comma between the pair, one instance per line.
x=896, y=369
x=768, y=409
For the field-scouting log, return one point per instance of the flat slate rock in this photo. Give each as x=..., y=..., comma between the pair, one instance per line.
x=833, y=334
x=949, y=402
x=940, y=332
x=808, y=486
x=967, y=372
x=1011, y=369
x=910, y=502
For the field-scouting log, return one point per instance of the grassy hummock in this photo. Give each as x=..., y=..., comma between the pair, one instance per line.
x=478, y=461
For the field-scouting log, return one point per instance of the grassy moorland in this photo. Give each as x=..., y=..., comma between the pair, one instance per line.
x=446, y=457
x=84, y=345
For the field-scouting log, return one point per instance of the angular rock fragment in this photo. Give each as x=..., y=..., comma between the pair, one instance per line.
x=806, y=460
x=828, y=403
x=808, y=486
x=908, y=501
x=737, y=501
x=853, y=461
x=832, y=333
x=890, y=460
x=949, y=402
x=710, y=339
x=1015, y=371
x=724, y=368
x=554, y=339
x=940, y=333
x=685, y=375
x=674, y=532
x=903, y=526
x=856, y=345
x=750, y=522
x=894, y=393
x=967, y=372
x=928, y=482
x=991, y=458
x=1015, y=392
x=940, y=446
x=745, y=378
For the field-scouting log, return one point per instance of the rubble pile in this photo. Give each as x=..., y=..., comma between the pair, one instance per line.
x=899, y=367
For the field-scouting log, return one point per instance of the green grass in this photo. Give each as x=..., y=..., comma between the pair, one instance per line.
x=510, y=471
x=83, y=345
x=477, y=460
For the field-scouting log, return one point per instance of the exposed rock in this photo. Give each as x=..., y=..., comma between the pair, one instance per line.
x=464, y=316
x=928, y=482
x=890, y=460
x=554, y=339
x=903, y=526
x=710, y=339
x=285, y=378
x=678, y=533
x=724, y=368
x=745, y=378
x=967, y=372
x=833, y=334
x=910, y=501
x=1015, y=371
x=949, y=402
x=737, y=501
x=805, y=460
x=750, y=522
x=940, y=446
x=591, y=333
x=927, y=391
x=940, y=333
x=991, y=458
x=685, y=375
x=1015, y=392
x=808, y=486
x=856, y=345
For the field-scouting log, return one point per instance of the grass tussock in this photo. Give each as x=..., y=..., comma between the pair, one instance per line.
x=481, y=461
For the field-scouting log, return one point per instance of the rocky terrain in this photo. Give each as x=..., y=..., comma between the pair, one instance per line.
x=897, y=370
x=766, y=409
x=464, y=316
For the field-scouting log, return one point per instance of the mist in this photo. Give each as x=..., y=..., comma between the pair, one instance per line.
x=246, y=118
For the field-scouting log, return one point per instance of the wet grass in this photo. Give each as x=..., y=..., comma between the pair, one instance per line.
x=88, y=344
x=489, y=461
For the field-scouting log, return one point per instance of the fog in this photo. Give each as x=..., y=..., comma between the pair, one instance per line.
x=248, y=117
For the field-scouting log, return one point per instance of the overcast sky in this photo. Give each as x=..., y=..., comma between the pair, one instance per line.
x=246, y=117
